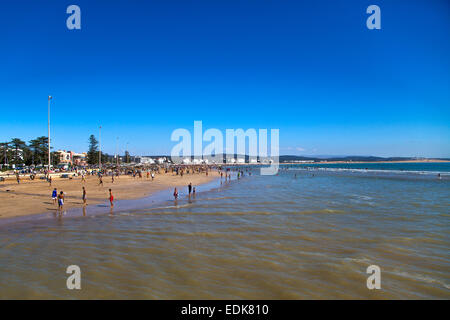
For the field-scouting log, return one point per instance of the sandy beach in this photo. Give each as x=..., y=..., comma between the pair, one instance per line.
x=33, y=197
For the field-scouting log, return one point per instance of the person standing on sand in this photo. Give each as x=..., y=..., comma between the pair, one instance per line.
x=17, y=178
x=100, y=180
x=175, y=194
x=111, y=198
x=50, y=181
x=84, y=196
x=54, y=195
x=112, y=178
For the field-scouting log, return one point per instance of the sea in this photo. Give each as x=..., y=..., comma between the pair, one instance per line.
x=310, y=232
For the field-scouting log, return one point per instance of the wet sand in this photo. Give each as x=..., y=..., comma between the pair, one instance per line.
x=33, y=197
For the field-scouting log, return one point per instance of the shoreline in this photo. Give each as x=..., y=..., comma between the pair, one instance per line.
x=33, y=198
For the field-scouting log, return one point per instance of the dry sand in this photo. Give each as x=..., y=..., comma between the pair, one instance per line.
x=31, y=197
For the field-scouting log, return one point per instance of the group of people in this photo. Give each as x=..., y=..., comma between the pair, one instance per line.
x=194, y=169
x=58, y=198
x=191, y=191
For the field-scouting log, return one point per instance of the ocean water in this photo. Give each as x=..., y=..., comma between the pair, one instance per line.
x=309, y=232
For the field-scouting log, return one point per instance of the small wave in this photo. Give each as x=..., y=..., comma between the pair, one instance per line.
x=362, y=197
x=416, y=276
x=359, y=260
x=170, y=207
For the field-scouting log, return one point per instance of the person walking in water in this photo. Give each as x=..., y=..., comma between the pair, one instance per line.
x=60, y=201
x=54, y=195
x=190, y=188
x=175, y=194
x=84, y=196
x=111, y=198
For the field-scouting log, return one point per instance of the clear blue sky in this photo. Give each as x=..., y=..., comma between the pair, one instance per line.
x=310, y=68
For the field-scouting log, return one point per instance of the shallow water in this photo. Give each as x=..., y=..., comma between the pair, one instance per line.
x=301, y=234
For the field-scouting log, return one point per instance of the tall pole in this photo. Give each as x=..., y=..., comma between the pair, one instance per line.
x=100, y=148
x=117, y=154
x=5, y=147
x=49, y=98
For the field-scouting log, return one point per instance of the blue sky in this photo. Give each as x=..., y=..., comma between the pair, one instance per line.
x=310, y=68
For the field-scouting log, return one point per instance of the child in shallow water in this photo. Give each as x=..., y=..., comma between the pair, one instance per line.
x=61, y=201
x=111, y=198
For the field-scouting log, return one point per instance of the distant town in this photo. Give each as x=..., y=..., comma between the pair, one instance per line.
x=17, y=154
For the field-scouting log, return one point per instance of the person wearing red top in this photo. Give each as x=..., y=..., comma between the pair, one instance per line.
x=111, y=198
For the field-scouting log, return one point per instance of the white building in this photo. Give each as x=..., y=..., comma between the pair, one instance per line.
x=144, y=160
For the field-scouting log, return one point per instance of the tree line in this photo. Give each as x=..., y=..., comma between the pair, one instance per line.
x=35, y=152
x=18, y=152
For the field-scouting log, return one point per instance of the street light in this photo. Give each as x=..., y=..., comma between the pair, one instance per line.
x=100, y=148
x=49, y=98
x=117, y=153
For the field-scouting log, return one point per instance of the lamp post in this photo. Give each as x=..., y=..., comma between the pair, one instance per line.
x=127, y=154
x=117, y=154
x=49, y=161
x=100, y=148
